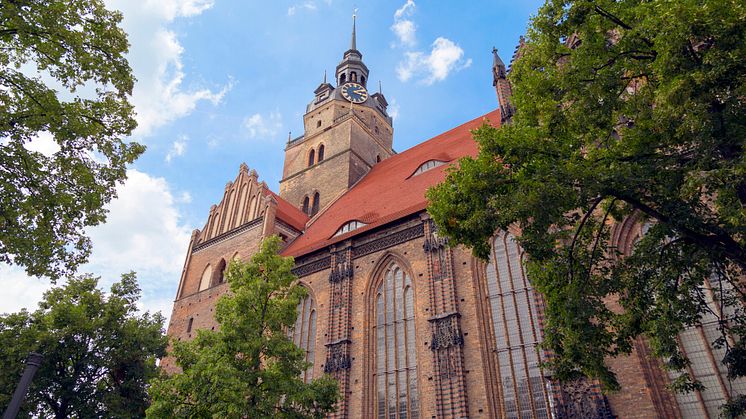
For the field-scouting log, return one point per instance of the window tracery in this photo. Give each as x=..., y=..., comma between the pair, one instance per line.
x=525, y=392
x=396, y=393
x=304, y=333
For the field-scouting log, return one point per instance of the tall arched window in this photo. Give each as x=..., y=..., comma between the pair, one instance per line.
x=304, y=332
x=321, y=152
x=395, y=372
x=315, y=206
x=512, y=301
x=311, y=157
x=204, y=283
x=305, y=205
x=219, y=273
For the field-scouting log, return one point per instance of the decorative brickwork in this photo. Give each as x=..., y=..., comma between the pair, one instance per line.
x=447, y=339
x=582, y=399
x=338, y=347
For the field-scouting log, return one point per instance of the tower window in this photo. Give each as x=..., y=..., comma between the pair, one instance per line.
x=353, y=76
x=321, y=152
x=311, y=157
x=318, y=124
x=378, y=158
x=362, y=80
x=315, y=206
x=305, y=205
x=342, y=79
x=190, y=324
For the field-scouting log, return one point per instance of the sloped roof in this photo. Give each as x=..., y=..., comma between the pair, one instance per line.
x=389, y=191
x=289, y=213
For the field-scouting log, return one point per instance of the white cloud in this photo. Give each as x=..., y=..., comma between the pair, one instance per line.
x=43, y=143
x=155, y=55
x=405, y=29
x=266, y=127
x=393, y=109
x=444, y=58
x=177, y=149
x=306, y=5
x=19, y=290
x=144, y=232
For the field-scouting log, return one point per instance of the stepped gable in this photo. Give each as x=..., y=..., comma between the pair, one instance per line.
x=244, y=201
x=389, y=191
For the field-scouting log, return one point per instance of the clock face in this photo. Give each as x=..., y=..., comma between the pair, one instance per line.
x=354, y=92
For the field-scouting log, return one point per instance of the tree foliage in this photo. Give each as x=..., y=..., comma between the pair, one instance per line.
x=624, y=108
x=46, y=200
x=98, y=352
x=249, y=367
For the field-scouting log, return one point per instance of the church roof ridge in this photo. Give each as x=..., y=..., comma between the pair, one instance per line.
x=390, y=188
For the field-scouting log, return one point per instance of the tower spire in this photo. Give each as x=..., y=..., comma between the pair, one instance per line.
x=502, y=87
x=353, y=44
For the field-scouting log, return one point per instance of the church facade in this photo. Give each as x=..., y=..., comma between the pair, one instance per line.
x=409, y=326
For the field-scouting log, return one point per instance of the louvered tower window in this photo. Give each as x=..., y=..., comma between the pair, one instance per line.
x=304, y=333
x=525, y=393
x=395, y=363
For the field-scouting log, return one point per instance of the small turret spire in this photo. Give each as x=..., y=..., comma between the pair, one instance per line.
x=324, y=76
x=353, y=45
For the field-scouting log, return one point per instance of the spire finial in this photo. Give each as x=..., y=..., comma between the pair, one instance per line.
x=324, y=76
x=380, y=89
x=353, y=46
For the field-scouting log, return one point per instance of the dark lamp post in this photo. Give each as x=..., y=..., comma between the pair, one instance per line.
x=32, y=364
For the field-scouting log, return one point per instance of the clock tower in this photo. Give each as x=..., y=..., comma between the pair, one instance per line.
x=346, y=132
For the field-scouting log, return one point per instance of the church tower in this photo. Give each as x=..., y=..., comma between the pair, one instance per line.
x=346, y=132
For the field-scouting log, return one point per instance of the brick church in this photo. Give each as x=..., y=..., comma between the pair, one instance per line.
x=410, y=327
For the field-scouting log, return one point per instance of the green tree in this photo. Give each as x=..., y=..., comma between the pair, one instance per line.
x=98, y=352
x=47, y=201
x=623, y=106
x=249, y=367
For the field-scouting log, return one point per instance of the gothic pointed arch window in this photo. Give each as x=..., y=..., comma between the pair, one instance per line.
x=517, y=334
x=304, y=333
x=220, y=273
x=395, y=371
x=311, y=157
x=321, y=153
x=204, y=283
x=315, y=206
x=306, y=206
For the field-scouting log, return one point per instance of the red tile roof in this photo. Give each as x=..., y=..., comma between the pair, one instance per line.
x=389, y=191
x=289, y=213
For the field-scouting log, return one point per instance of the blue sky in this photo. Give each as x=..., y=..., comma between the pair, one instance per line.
x=223, y=82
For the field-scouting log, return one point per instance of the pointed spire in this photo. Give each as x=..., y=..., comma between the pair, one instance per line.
x=324, y=76
x=353, y=45
x=496, y=60
x=380, y=89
